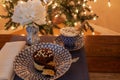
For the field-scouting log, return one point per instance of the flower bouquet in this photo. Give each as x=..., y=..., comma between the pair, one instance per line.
x=30, y=14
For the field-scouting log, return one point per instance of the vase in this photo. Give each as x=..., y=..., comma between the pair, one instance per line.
x=32, y=34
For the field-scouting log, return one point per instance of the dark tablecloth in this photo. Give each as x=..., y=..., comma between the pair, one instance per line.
x=77, y=71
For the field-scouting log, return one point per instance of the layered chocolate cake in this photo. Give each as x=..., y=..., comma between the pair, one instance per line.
x=44, y=61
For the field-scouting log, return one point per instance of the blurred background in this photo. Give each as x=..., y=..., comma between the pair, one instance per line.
x=107, y=23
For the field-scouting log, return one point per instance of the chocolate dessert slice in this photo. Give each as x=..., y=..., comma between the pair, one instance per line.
x=44, y=61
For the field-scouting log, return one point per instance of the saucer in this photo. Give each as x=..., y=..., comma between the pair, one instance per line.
x=78, y=44
x=24, y=64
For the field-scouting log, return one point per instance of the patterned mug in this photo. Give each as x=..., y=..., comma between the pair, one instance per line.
x=69, y=37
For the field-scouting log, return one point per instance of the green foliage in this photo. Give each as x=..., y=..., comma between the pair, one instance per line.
x=69, y=8
x=9, y=7
x=46, y=28
x=74, y=10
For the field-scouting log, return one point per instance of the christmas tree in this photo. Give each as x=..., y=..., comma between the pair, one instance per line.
x=74, y=12
x=9, y=8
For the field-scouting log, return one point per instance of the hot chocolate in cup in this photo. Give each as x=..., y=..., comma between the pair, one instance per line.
x=69, y=36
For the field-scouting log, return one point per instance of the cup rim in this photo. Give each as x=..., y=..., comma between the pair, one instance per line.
x=68, y=35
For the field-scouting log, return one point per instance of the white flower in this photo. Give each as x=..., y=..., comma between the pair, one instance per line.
x=30, y=11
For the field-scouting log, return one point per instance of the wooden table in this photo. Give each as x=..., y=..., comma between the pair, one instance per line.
x=77, y=71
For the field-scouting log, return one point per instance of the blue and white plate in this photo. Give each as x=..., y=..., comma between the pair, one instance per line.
x=24, y=68
x=79, y=43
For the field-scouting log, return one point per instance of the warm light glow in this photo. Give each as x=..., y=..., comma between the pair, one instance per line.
x=91, y=11
x=39, y=35
x=12, y=27
x=82, y=33
x=78, y=2
x=55, y=5
x=75, y=23
x=85, y=12
x=109, y=4
x=90, y=7
x=85, y=0
x=76, y=10
x=56, y=16
x=56, y=35
x=94, y=18
x=95, y=0
x=83, y=5
x=21, y=2
x=4, y=5
x=22, y=34
x=93, y=33
x=49, y=21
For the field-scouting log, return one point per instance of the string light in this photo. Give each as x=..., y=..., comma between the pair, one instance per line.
x=95, y=0
x=21, y=1
x=4, y=5
x=12, y=27
x=91, y=11
x=85, y=0
x=84, y=12
x=7, y=0
x=83, y=5
x=82, y=33
x=56, y=16
x=76, y=10
x=55, y=5
x=93, y=33
x=75, y=23
x=78, y=2
x=90, y=7
x=49, y=22
x=109, y=4
x=39, y=35
x=56, y=35
x=94, y=18
x=22, y=34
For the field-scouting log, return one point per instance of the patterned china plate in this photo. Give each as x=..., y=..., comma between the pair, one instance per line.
x=23, y=64
x=78, y=44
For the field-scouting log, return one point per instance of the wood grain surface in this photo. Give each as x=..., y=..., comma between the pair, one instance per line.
x=102, y=45
x=103, y=53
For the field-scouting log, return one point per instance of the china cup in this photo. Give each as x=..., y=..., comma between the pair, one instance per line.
x=69, y=36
